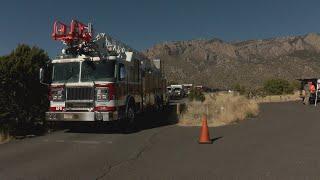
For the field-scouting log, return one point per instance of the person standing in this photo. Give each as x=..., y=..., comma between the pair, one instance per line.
x=307, y=91
x=313, y=92
x=312, y=88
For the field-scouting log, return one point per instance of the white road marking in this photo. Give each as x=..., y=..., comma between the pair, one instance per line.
x=87, y=142
x=78, y=141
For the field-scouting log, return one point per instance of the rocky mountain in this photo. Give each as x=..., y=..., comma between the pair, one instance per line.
x=220, y=64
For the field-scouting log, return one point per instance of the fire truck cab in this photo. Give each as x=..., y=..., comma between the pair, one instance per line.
x=101, y=79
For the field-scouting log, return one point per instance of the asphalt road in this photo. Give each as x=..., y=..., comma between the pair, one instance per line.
x=282, y=143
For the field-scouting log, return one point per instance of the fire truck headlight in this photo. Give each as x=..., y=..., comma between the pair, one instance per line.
x=57, y=94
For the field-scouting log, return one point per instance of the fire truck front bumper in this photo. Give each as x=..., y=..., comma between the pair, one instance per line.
x=81, y=116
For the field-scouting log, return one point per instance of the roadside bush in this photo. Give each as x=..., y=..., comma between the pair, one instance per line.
x=196, y=95
x=23, y=101
x=278, y=87
x=295, y=85
x=255, y=93
x=239, y=88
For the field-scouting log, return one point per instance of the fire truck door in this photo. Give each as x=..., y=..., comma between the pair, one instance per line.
x=123, y=83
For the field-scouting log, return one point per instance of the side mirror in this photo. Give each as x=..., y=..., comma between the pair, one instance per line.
x=129, y=56
x=41, y=76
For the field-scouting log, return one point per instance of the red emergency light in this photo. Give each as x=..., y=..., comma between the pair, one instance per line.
x=77, y=31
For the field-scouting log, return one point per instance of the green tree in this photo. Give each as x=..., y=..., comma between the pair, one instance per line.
x=278, y=87
x=23, y=100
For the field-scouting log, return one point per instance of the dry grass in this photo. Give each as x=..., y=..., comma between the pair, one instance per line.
x=4, y=137
x=221, y=108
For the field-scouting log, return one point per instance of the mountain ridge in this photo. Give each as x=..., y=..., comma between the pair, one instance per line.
x=221, y=64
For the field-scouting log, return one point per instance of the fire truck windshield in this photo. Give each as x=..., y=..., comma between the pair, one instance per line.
x=66, y=72
x=97, y=71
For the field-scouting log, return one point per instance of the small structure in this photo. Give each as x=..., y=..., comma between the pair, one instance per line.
x=314, y=97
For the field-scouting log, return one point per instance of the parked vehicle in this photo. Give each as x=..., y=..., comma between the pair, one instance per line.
x=177, y=92
x=169, y=90
x=187, y=88
x=101, y=79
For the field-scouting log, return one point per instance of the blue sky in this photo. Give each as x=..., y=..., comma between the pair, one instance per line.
x=143, y=23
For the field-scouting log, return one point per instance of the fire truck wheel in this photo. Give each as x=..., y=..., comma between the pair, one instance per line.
x=131, y=115
x=127, y=124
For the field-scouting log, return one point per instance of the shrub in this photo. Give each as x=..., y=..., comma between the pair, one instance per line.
x=196, y=95
x=239, y=88
x=23, y=101
x=256, y=92
x=278, y=87
x=295, y=85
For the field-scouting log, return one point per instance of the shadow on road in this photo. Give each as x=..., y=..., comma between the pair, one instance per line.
x=148, y=120
x=216, y=139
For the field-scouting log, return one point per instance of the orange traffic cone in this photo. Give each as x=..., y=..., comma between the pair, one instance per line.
x=204, y=135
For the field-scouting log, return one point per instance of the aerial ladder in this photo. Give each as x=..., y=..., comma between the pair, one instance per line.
x=79, y=40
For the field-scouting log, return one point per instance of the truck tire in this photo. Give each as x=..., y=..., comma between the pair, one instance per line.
x=127, y=125
x=130, y=114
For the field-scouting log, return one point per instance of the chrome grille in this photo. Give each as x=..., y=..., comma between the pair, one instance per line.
x=80, y=93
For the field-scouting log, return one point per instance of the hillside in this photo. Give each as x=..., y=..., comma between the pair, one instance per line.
x=221, y=64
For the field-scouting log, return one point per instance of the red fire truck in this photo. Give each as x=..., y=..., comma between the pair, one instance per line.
x=101, y=79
